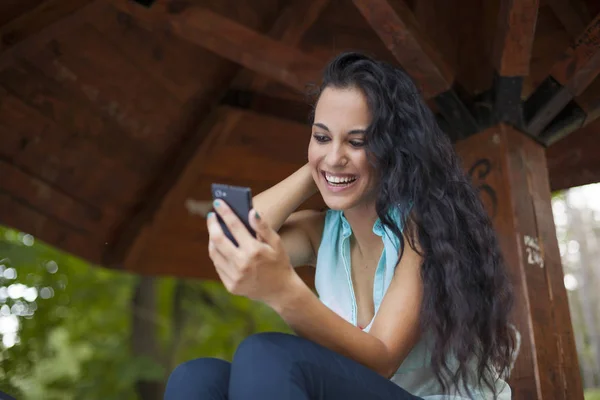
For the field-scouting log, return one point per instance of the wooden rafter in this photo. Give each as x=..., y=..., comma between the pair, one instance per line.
x=570, y=15
x=398, y=29
x=513, y=42
x=289, y=28
x=132, y=238
x=232, y=41
x=514, y=37
x=29, y=33
x=581, y=111
x=573, y=72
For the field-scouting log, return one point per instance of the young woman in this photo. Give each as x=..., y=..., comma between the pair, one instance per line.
x=413, y=297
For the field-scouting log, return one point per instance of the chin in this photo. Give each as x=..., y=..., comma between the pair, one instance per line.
x=340, y=204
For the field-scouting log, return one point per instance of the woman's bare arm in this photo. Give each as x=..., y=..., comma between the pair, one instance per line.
x=299, y=230
x=392, y=336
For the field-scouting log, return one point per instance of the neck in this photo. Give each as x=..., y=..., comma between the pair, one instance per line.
x=361, y=220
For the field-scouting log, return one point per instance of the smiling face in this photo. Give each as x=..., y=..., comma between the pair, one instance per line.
x=337, y=152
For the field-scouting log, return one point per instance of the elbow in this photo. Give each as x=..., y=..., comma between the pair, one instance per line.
x=388, y=371
x=388, y=367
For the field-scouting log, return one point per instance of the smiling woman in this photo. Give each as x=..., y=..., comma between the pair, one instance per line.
x=412, y=293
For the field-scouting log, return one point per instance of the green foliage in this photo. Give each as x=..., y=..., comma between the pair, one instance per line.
x=592, y=394
x=75, y=336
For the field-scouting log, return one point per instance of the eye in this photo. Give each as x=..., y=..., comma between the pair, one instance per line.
x=357, y=143
x=320, y=138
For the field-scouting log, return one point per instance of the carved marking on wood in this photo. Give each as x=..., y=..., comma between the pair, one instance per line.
x=533, y=251
x=482, y=168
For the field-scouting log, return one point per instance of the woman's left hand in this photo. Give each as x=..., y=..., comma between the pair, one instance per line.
x=259, y=268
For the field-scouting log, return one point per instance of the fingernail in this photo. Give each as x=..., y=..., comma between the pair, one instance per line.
x=256, y=215
x=217, y=203
x=210, y=214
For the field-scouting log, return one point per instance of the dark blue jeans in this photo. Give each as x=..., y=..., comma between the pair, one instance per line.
x=279, y=366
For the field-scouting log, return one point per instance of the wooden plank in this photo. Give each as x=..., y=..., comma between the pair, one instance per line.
x=514, y=37
x=233, y=41
x=234, y=135
x=59, y=205
x=32, y=31
x=181, y=67
x=35, y=143
x=130, y=245
x=580, y=63
x=570, y=15
x=577, y=67
x=291, y=25
x=20, y=215
x=569, y=373
x=580, y=112
x=89, y=64
x=398, y=29
x=575, y=162
x=589, y=101
x=505, y=165
x=13, y=9
x=72, y=111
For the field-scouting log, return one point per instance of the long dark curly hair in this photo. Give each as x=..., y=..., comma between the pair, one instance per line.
x=467, y=292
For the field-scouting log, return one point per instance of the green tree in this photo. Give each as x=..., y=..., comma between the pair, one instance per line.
x=76, y=322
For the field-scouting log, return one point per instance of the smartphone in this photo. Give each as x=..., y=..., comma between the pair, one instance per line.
x=239, y=199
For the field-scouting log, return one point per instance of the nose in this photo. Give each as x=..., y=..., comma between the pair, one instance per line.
x=336, y=156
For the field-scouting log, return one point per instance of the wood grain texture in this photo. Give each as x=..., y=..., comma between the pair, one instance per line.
x=514, y=36
x=235, y=42
x=33, y=30
x=396, y=26
x=507, y=163
x=289, y=29
x=574, y=71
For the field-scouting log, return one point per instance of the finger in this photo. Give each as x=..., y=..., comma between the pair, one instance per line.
x=221, y=265
x=219, y=239
x=262, y=228
x=235, y=225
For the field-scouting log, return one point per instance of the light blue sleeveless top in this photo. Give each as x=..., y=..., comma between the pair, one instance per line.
x=333, y=282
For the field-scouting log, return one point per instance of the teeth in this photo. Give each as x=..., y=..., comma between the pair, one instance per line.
x=338, y=179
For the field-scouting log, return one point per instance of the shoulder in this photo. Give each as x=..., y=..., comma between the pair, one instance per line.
x=309, y=224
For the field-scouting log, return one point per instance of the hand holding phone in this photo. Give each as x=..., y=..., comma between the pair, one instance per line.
x=239, y=199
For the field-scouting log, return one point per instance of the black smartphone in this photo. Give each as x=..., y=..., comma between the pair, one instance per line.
x=239, y=199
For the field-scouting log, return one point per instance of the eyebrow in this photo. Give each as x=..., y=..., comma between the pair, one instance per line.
x=352, y=132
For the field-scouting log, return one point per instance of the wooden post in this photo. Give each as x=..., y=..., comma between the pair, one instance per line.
x=509, y=169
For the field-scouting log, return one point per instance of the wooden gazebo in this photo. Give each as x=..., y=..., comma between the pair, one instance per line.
x=115, y=117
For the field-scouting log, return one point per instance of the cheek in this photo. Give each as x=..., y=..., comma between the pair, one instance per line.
x=313, y=155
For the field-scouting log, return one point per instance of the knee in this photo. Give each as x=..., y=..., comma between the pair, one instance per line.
x=198, y=376
x=264, y=348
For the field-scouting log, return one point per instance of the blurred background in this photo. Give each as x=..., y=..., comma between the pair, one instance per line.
x=72, y=330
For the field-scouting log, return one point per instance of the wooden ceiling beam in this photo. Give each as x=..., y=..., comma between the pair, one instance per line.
x=511, y=56
x=232, y=41
x=28, y=33
x=578, y=113
x=289, y=28
x=572, y=73
x=572, y=14
x=123, y=250
x=399, y=30
x=514, y=37
x=574, y=161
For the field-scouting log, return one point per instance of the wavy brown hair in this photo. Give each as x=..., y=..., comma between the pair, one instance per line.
x=467, y=294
